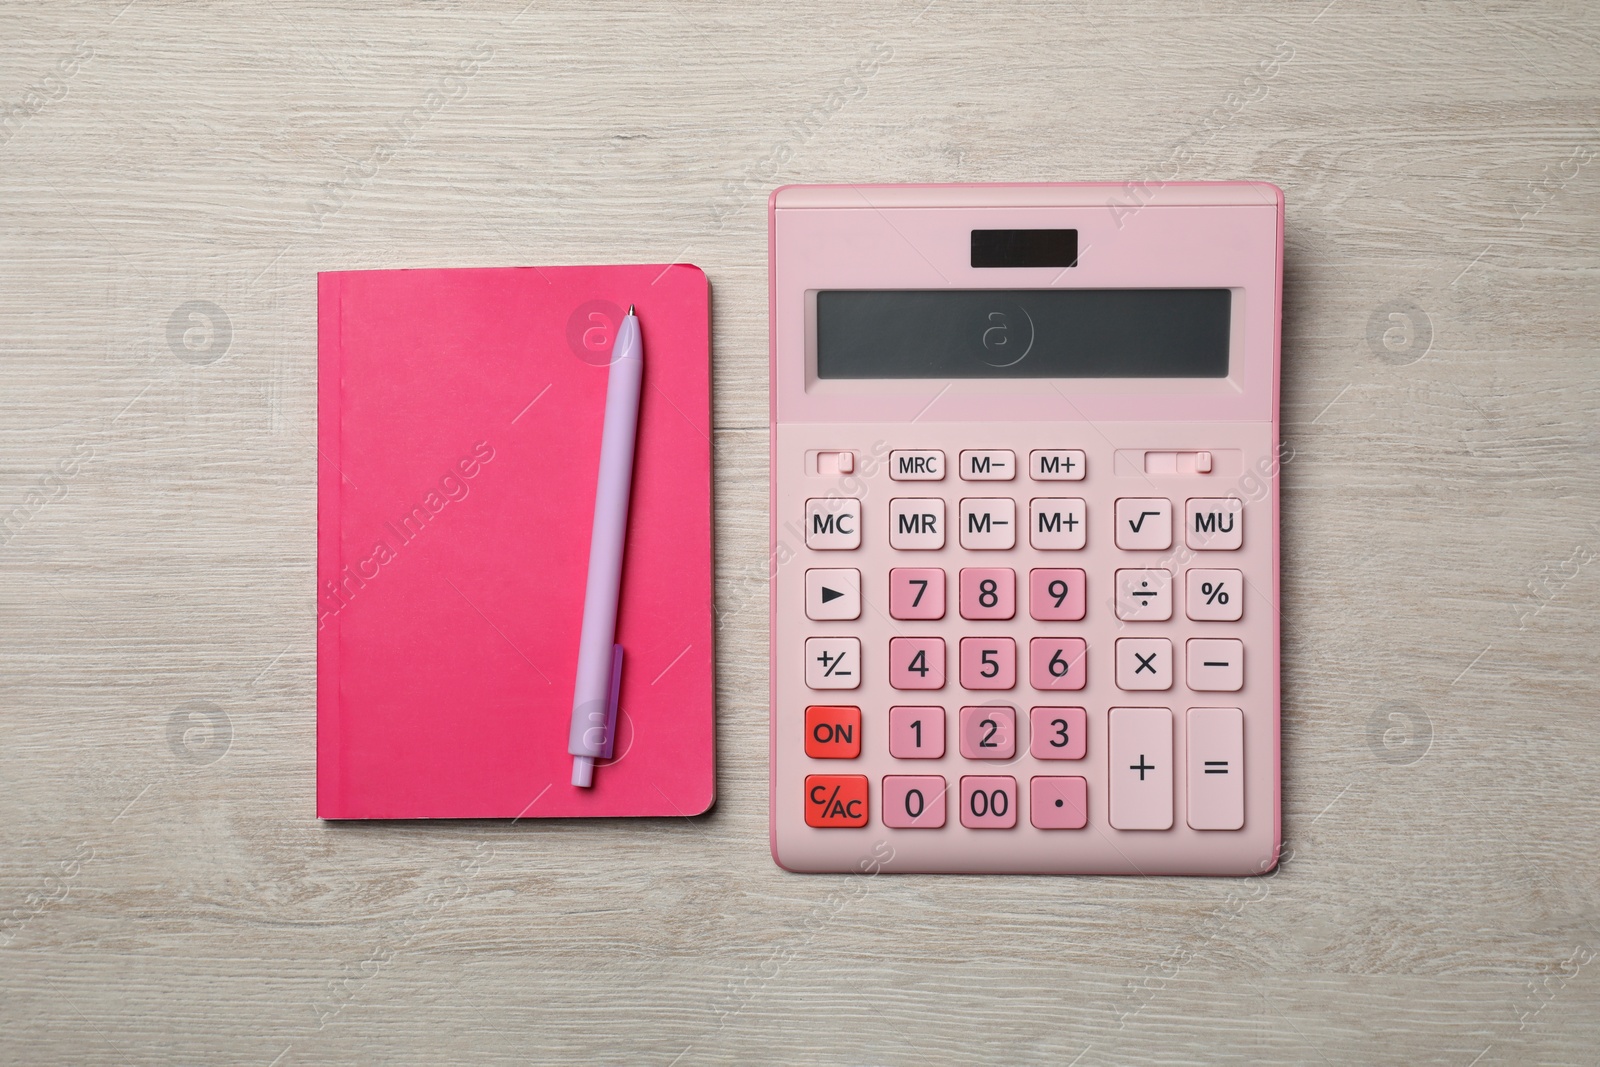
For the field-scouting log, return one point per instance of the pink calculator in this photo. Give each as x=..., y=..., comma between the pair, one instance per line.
x=1025, y=528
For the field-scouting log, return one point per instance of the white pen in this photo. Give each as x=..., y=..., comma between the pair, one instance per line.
x=594, y=697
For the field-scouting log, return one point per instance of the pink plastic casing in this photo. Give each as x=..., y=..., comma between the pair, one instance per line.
x=1201, y=235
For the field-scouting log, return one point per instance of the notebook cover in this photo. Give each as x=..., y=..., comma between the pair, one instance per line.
x=458, y=425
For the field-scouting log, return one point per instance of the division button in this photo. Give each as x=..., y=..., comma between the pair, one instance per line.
x=1144, y=595
x=833, y=593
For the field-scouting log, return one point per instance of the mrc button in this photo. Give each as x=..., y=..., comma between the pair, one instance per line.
x=833, y=732
x=836, y=800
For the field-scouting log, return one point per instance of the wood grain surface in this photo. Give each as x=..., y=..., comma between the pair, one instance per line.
x=172, y=177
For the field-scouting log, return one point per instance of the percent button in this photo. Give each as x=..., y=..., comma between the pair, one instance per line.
x=1215, y=595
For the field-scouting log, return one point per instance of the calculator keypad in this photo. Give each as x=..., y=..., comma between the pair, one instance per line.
x=1039, y=682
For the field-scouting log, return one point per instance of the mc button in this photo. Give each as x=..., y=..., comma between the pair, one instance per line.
x=833, y=732
x=836, y=800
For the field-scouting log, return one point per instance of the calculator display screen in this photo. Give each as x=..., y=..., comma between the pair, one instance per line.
x=1023, y=333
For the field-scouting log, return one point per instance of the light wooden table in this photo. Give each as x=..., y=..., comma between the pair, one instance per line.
x=173, y=176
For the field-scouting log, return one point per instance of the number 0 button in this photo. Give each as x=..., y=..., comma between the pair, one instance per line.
x=913, y=801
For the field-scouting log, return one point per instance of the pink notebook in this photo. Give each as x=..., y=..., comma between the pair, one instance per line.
x=459, y=416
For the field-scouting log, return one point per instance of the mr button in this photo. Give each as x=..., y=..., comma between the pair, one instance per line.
x=833, y=732
x=836, y=800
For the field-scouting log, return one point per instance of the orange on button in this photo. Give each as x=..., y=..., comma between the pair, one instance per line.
x=833, y=732
x=834, y=800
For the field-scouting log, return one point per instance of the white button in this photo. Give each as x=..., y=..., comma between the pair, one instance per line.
x=833, y=523
x=1214, y=595
x=836, y=462
x=1141, y=768
x=1056, y=464
x=1214, y=523
x=833, y=662
x=1144, y=522
x=834, y=593
x=1057, y=523
x=926, y=465
x=1144, y=663
x=1144, y=595
x=1216, y=768
x=1216, y=665
x=988, y=523
x=916, y=523
x=991, y=465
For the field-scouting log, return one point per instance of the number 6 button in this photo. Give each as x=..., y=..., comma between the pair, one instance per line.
x=1058, y=663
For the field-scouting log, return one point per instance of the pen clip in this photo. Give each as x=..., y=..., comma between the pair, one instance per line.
x=611, y=703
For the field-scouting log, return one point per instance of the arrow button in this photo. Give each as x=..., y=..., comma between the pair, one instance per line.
x=833, y=593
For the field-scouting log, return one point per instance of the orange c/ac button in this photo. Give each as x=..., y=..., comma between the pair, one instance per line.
x=835, y=800
x=833, y=732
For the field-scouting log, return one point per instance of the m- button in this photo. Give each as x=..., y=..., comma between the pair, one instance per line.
x=990, y=465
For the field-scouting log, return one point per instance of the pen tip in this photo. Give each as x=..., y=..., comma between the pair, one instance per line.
x=630, y=309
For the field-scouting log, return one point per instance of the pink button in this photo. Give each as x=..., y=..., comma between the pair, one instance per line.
x=1216, y=768
x=1055, y=595
x=916, y=732
x=988, y=663
x=1058, y=803
x=988, y=733
x=914, y=801
x=1058, y=662
x=988, y=802
x=1144, y=663
x=916, y=662
x=1140, y=770
x=988, y=592
x=1058, y=733
x=916, y=593
x=1216, y=665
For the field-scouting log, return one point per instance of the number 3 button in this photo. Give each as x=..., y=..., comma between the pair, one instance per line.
x=1059, y=733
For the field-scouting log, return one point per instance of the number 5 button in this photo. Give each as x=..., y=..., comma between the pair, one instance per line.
x=988, y=663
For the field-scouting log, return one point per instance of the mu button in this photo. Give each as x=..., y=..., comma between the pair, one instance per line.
x=833, y=732
x=834, y=800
